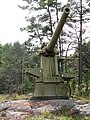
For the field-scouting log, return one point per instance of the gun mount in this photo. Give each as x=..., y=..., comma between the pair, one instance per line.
x=51, y=83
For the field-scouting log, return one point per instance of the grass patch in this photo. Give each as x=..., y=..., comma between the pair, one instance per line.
x=52, y=116
x=2, y=98
x=13, y=97
x=59, y=117
x=82, y=98
x=21, y=97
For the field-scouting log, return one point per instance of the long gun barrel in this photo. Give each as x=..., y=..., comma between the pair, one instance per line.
x=58, y=30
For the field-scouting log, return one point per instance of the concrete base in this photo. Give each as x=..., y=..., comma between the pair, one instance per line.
x=49, y=91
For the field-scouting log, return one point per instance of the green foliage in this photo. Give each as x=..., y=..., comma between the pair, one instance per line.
x=85, y=71
x=86, y=54
x=28, y=84
x=86, y=68
x=45, y=29
x=42, y=3
x=37, y=29
x=12, y=66
x=16, y=59
x=50, y=2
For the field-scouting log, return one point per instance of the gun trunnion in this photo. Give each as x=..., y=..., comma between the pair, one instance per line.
x=51, y=82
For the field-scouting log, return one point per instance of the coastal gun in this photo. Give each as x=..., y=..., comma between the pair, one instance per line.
x=51, y=82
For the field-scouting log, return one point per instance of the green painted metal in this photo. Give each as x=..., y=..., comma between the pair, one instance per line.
x=51, y=82
x=58, y=29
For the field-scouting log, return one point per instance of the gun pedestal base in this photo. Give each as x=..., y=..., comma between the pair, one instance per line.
x=52, y=90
